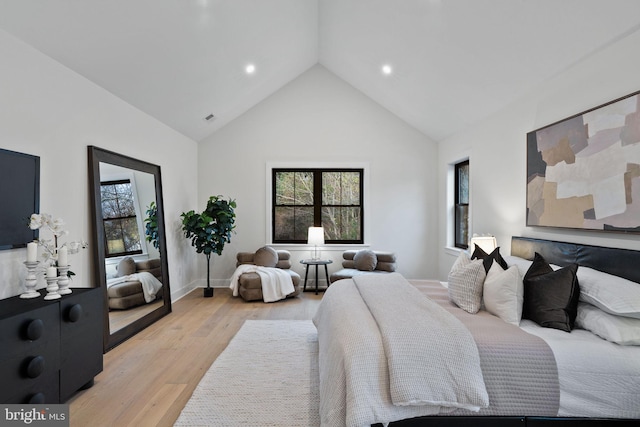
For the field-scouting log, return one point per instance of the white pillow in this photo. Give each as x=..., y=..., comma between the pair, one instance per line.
x=610, y=293
x=618, y=329
x=522, y=264
x=503, y=293
x=465, y=283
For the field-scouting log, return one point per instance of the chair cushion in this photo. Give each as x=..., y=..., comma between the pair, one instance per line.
x=266, y=257
x=125, y=289
x=125, y=267
x=129, y=301
x=365, y=260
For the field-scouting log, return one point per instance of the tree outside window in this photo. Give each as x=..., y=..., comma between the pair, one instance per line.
x=122, y=236
x=331, y=198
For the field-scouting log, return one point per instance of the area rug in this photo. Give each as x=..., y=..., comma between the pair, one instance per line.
x=267, y=376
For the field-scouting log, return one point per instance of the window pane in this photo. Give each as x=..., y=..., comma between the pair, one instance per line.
x=341, y=223
x=304, y=220
x=283, y=222
x=131, y=235
x=122, y=236
x=340, y=188
x=292, y=223
x=125, y=200
x=109, y=201
x=304, y=188
x=462, y=226
x=285, y=194
x=463, y=183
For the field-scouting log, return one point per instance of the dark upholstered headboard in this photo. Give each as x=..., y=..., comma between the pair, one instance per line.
x=619, y=262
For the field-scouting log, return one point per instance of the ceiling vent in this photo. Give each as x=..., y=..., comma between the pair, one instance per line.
x=210, y=118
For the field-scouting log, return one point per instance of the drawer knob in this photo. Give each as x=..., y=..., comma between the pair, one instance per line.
x=75, y=313
x=35, y=367
x=35, y=328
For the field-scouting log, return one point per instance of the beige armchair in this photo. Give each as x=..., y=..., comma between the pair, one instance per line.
x=250, y=284
x=129, y=293
x=363, y=262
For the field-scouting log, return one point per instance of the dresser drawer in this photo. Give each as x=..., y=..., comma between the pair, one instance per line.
x=28, y=333
x=30, y=354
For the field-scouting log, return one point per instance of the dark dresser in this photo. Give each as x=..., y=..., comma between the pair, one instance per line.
x=50, y=349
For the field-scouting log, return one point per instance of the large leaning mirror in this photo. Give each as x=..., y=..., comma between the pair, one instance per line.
x=130, y=248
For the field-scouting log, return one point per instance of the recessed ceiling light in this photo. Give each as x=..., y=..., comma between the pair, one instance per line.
x=386, y=69
x=250, y=69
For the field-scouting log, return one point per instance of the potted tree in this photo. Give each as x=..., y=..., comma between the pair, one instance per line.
x=210, y=230
x=151, y=224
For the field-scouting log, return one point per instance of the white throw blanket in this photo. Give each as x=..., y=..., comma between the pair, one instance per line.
x=388, y=353
x=276, y=283
x=150, y=285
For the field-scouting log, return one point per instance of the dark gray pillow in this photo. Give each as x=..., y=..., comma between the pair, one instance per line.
x=551, y=297
x=365, y=260
x=266, y=257
x=126, y=267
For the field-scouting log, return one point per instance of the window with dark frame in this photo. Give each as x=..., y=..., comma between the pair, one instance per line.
x=331, y=198
x=122, y=236
x=461, y=208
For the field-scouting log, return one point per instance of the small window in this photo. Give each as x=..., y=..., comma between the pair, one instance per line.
x=331, y=198
x=461, y=215
x=122, y=236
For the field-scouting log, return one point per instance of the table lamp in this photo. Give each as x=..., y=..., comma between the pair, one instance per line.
x=315, y=238
x=486, y=243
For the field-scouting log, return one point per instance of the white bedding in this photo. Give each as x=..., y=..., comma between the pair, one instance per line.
x=597, y=378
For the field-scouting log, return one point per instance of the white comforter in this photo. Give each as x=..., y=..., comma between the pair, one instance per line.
x=276, y=283
x=374, y=375
x=150, y=285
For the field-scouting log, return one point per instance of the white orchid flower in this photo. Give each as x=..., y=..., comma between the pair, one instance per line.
x=35, y=221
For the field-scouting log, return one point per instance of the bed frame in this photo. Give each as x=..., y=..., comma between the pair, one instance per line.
x=619, y=262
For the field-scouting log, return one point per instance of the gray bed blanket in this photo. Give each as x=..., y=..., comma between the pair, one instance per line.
x=424, y=345
x=357, y=382
x=519, y=368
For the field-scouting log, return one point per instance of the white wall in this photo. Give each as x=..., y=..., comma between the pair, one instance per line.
x=497, y=149
x=49, y=111
x=319, y=118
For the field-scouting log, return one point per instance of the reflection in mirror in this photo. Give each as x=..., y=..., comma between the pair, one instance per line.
x=129, y=232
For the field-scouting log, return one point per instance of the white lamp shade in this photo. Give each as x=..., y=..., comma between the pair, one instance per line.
x=316, y=236
x=486, y=243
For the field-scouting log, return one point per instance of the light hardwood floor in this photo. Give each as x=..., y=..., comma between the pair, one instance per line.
x=148, y=379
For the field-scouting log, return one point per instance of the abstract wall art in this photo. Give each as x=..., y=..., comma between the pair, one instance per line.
x=583, y=172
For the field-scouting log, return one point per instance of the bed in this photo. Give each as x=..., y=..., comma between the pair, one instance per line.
x=381, y=341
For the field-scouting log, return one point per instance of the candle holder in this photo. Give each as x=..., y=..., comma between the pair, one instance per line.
x=63, y=281
x=31, y=281
x=52, y=288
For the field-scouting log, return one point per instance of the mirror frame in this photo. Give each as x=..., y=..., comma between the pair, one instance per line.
x=96, y=156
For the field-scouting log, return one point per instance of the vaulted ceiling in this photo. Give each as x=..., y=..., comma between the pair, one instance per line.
x=451, y=63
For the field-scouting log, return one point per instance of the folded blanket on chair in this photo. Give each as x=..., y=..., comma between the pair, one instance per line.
x=276, y=283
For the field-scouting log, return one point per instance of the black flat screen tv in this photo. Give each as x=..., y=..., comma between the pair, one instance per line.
x=19, y=198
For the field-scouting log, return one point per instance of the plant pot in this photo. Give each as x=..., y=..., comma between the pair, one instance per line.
x=208, y=292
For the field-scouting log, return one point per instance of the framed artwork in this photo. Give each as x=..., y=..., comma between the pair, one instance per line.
x=583, y=172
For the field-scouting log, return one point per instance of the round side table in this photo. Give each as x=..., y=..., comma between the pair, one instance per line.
x=316, y=262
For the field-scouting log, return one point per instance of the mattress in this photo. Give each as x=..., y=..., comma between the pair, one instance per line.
x=597, y=378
